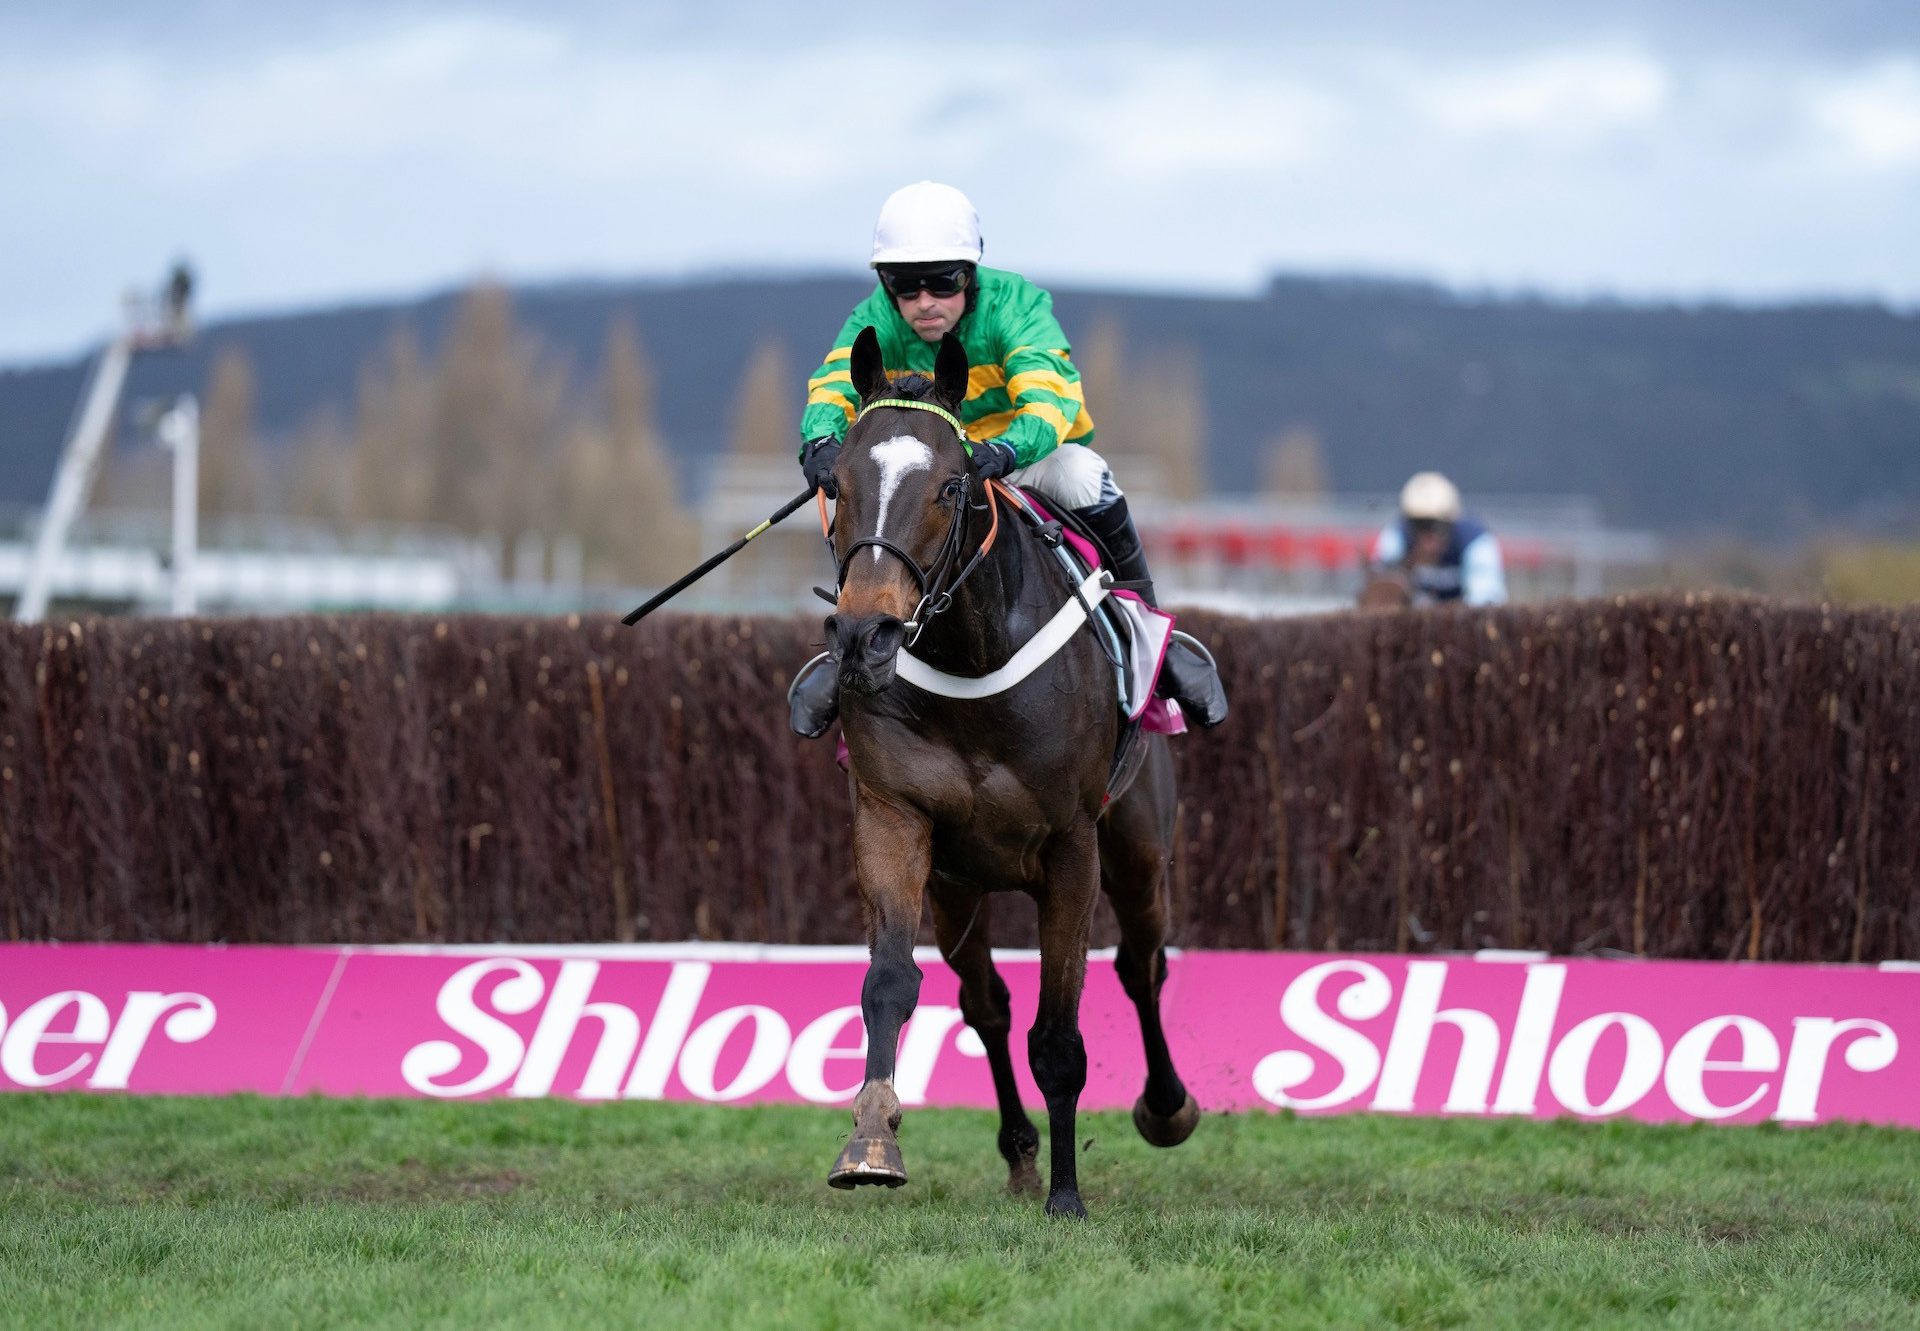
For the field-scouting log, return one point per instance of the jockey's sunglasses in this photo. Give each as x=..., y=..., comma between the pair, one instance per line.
x=943, y=282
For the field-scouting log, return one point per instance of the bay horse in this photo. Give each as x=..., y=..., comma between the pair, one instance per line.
x=1388, y=588
x=959, y=799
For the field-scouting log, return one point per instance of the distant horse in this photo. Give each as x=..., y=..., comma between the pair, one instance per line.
x=958, y=799
x=1386, y=588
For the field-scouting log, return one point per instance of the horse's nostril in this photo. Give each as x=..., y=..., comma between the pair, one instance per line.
x=883, y=640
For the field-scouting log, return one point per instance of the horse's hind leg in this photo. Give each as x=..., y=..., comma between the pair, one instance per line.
x=1166, y=1112
x=892, y=853
x=961, y=920
x=1133, y=863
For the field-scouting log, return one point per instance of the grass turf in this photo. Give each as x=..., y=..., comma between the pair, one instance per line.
x=308, y=1213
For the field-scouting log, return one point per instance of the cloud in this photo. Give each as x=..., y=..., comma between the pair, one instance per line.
x=387, y=150
x=496, y=95
x=1871, y=117
x=1566, y=95
x=1165, y=115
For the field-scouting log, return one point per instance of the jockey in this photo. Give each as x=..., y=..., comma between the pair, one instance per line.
x=1025, y=413
x=1447, y=557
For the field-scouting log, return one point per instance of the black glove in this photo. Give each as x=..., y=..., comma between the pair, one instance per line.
x=816, y=460
x=992, y=459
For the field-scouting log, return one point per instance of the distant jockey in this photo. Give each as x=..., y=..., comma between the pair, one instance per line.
x=1025, y=411
x=1446, y=557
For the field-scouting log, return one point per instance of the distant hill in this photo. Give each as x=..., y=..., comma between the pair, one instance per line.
x=1768, y=421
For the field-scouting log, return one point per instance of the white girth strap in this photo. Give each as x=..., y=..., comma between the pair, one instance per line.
x=1036, y=652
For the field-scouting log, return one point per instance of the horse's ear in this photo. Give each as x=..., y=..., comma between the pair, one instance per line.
x=950, y=372
x=869, y=375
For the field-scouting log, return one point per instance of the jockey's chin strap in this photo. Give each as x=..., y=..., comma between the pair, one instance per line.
x=936, y=590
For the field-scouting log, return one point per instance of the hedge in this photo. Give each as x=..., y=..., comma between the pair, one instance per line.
x=1672, y=777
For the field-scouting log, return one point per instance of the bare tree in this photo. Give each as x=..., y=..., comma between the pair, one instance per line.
x=232, y=472
x=627, y=382
x=1163, y=407
x=1149, y=418
x=1099, y=358
x=490, y=441
x=390, y=471
x=763, y=422
x=1294, y=464
x=499, y=419
x=134, y=479
x=320, y=479
x=618, y=493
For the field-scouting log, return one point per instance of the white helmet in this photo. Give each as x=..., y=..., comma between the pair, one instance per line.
x=1430, y=497
x=926, y=223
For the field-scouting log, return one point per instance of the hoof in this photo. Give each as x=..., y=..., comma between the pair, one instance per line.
x=1169, y=1131
x=1066, y=1206
x=869, y=1160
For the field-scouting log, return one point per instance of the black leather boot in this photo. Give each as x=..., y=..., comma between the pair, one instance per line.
x=813, y=699
x=1187, y=675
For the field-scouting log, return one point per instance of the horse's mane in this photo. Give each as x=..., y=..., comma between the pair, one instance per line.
x=913, y=387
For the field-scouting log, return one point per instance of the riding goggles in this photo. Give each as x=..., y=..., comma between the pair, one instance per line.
x=937, y=282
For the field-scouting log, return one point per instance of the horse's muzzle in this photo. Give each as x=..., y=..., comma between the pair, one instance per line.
x=866, y=648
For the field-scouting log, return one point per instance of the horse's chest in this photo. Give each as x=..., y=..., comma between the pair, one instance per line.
x=1005, y=857
x=997, y=838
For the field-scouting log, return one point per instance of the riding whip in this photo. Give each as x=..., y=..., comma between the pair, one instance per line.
x=660, y=599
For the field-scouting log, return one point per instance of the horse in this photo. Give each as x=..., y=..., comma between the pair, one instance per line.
x=958, y=800
x=1385, y=588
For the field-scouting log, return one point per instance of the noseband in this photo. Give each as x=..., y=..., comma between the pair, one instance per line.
x=938, y=581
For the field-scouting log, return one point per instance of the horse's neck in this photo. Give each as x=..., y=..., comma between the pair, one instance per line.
x=996, y=609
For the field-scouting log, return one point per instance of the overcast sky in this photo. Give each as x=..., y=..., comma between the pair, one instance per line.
x=1730, y=150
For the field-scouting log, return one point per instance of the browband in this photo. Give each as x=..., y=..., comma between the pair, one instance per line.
x=912, y=405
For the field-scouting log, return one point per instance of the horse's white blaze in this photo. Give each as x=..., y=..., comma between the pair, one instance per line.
x=897, y=456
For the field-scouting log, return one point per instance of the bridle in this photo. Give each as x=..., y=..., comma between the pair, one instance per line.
x=938, y=581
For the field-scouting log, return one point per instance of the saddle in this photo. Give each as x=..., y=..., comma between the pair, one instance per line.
x=1133, y=634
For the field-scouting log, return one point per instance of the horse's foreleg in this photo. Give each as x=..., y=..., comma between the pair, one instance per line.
x=961, y=922
x=1055, y=1050
x=892, y=850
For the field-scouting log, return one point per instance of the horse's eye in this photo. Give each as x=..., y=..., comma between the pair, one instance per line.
x=951, y=490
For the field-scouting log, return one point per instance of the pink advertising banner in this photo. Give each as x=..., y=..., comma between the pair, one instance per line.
x=1491, y=1033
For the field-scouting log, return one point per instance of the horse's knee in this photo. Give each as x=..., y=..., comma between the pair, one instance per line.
x=1058, y=1058
x=892, y=984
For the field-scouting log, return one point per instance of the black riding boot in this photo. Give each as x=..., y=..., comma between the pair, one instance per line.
x=1188, y=675
x=813, y=699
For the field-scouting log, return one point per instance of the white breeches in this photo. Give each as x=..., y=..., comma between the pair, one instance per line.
x=1073, y=476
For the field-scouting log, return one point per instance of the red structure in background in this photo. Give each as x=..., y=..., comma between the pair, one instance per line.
x=1293, y=548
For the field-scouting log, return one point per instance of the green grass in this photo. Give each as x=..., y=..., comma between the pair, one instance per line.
x=307, y=1213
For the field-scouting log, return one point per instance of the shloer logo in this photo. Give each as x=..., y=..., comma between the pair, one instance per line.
x=77, y=1022
x=1744, y=1045
x=823, y=1061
